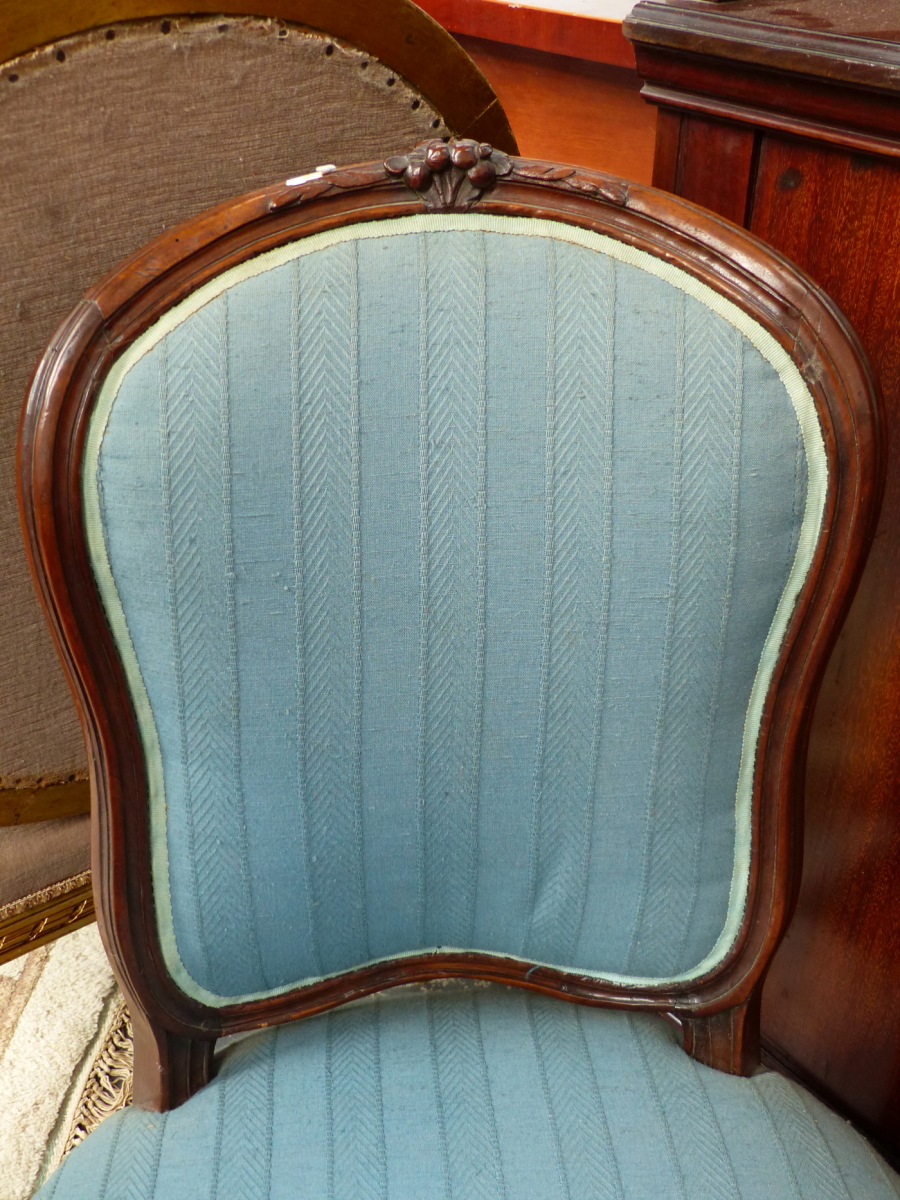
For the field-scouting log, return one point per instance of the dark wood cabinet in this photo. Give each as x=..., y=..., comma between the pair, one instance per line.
x=786, y=119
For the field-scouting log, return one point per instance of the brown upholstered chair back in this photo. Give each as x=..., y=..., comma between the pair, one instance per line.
x=110, y=136
x=106, y=141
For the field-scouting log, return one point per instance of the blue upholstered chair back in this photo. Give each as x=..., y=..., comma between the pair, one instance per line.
x=450, y=558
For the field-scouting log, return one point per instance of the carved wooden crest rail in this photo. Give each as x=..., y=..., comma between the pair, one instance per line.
x=448, y=175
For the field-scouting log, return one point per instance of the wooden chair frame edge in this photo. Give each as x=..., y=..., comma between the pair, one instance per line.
x=719, y=1012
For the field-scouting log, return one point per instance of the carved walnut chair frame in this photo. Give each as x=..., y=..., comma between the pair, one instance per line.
x=175, y=1034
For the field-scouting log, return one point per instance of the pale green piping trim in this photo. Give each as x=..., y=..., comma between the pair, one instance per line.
x=93, y=524
x=817, y=465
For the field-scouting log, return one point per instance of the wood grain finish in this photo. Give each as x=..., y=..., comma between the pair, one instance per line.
x=832, y=1002
x=397, y=32
x=728, y=1040
x=575, y=35
x=571, y=110
x=174, y=1055
x=847, y=41
x=824, y=188
x=705, y=145
x=166, y=1065
x=828, y=209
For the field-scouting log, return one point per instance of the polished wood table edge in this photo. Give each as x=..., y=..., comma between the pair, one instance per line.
x=857, y=60
x=573, y=35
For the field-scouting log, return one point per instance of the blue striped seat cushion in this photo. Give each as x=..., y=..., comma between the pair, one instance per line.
x=475, y=1091
x=449, y=558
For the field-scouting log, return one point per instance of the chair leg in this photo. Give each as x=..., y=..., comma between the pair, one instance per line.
x=729, y=1040
x=168, y=1068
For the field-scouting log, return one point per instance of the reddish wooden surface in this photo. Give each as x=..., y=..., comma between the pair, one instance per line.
x=174, y=1030
x=569, y=110
x=851, y=41
x=705, y=145
x=535, y=28
x=667, y=150
x=815, y=108
x=824, y=188
x=832, y=1003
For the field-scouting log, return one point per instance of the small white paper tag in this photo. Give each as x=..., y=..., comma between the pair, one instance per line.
x=316, y=174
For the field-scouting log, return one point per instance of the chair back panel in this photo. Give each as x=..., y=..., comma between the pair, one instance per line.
x=449, y=558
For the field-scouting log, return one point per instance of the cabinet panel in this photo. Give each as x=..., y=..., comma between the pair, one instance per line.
x=714, y=163
x=835, y=213
x=832, y=1000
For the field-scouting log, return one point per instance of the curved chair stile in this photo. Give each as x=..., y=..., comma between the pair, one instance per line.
x=446, y=356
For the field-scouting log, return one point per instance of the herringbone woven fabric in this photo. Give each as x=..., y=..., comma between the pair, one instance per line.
x=471, y=1092
x=453, y=447
x=325, y=504
x=195, y=472
x=578, y=548
x=448, y=550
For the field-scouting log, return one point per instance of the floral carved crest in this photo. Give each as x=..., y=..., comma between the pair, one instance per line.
x=449, y=174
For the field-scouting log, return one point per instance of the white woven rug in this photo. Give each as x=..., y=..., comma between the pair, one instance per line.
x=65, y=1056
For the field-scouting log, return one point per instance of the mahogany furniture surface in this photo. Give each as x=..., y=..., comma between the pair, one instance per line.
x=175, y=1033
x=571, y=109
x=787, y=120
x=575, y=35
